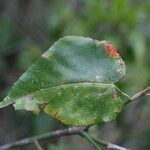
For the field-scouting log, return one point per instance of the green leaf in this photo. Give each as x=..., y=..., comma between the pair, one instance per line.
x=73, y=81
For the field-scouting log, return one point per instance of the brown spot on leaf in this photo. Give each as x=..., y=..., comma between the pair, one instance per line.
x=54, y=114
x=114, y=94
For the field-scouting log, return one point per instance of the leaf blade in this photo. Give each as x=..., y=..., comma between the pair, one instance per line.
x=72, y=64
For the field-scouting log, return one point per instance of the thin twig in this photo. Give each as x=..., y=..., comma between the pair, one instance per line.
x=57, y=133
x=38, y=146
x=139, y=95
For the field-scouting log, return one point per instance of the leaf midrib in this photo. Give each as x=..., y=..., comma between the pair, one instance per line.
x=72, y=84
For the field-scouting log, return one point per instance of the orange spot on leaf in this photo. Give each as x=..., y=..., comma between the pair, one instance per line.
x=111, y=50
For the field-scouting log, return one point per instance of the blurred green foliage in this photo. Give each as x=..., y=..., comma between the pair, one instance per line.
x=29, y=27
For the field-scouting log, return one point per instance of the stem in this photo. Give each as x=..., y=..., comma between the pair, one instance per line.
x=38, y=146
x=88, y=137
x=126, y=95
